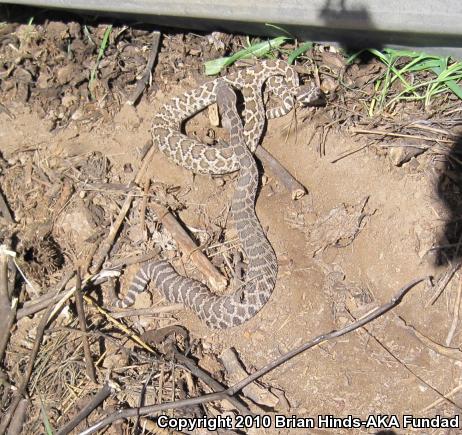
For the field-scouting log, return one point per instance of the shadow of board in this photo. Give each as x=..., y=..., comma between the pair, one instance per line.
x=337, y=14
x=449, y=191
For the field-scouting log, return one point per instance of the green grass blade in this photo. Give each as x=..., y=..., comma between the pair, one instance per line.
x=455, y=88
x=280, y=29
x=387, y=60
x=401, y=62
x=104, y=42
x=422, y=65
x=46, y=421
x=102, y=49
x=354, y=56
x=448, y=74
x=298, y=51
x=405, y=53
x=214, y=66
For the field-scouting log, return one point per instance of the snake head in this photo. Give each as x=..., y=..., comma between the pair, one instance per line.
x=309, y=95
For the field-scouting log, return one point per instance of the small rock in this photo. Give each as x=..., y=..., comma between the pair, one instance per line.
x=329, y=85
x=402, y=154
x=76, y=225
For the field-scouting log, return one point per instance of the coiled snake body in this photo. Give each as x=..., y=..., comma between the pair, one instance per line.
x=225, y=311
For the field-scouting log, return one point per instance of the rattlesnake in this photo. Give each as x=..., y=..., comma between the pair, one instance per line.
x=280, y=79
x=228, y=310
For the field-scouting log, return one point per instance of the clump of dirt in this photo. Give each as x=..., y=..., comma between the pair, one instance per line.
x=382, y=209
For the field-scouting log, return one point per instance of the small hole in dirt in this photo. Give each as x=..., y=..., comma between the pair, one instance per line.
x=29, y=255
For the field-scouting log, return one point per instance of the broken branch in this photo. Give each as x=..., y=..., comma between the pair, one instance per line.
x=145, y=410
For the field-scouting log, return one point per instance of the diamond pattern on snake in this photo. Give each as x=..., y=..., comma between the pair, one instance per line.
x=279, y=78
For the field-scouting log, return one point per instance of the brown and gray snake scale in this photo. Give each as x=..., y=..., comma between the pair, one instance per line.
x=226, y=311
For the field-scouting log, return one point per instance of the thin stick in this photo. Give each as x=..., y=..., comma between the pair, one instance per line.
x=441, y=400
x=455, y=315
x=130, y=412
x=189, y=248
x=17, y=422
x=407, y=136
x=89, y=366
x=379, y=311
x=107, y=244
x=134, y=259
x=7, y=311
x=146, y=77
x=144, y=204
x=133, y=336
x=348, y=153
x=255, y=391
x=295, y=188
x=147, y=311
x=432, y=129
x=449, y=352
x=96, y=400
x=441, y=286
x=4, y=209
x=44, y=301
x=212, y=383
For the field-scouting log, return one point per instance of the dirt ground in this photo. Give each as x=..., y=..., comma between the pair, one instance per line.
x=366, y=227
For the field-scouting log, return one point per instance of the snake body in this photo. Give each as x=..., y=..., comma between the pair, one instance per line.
x=225, y=311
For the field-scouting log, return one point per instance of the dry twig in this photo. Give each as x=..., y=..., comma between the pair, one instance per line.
x=455, y=315
x=108, y=242
x=95, y=401
x=348, y=153
x=132, y=412
x=407, y=136
x=189, y=248
x=7, y=309
x=144, y=80
x=90, y=368
x=42, y=302
x=254, y=391
x=443, y=283
x=19, y=416
x=295, y=188
x=212, y=383
x=450, y=352
x=152, y=311
x=442, y=399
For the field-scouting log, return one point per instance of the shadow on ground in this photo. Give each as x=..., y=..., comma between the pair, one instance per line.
x=449, y=190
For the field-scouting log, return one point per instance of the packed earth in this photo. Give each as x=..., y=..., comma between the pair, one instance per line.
x=80, y=193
